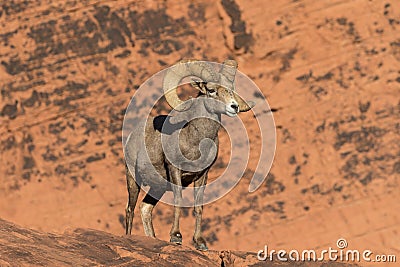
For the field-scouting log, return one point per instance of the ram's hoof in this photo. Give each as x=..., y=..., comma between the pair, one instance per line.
x=176, y=238
x=202, y=246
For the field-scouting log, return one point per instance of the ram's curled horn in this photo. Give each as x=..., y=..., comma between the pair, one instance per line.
x=179, y=71
x=228, y=72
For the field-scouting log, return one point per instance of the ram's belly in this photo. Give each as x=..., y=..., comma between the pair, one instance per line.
x=190, y=177
x=152, y=175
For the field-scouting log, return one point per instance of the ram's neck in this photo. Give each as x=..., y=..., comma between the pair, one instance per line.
x=203, y=125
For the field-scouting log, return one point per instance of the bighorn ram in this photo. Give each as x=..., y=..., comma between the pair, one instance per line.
x=216, y=96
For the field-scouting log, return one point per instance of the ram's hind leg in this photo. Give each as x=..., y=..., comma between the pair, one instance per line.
x=133, y=191
x=146, y=209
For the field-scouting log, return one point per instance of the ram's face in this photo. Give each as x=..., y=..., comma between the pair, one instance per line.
x=230, y=103
x=212, y=84
x=227, y=97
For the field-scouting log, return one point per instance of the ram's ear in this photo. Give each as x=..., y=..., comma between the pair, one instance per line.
x=199, y=85
x=244, y=105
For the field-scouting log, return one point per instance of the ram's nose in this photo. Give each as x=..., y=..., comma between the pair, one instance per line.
x=235, y=107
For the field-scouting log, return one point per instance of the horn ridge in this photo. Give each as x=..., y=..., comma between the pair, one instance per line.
x=179, y=71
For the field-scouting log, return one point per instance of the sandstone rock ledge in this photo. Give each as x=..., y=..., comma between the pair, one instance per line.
x=86, y=247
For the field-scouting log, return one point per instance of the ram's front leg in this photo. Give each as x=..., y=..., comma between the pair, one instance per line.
x=199, y=186
x=175, y=174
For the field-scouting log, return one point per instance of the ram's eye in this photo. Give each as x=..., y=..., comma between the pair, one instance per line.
x=212, y=91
